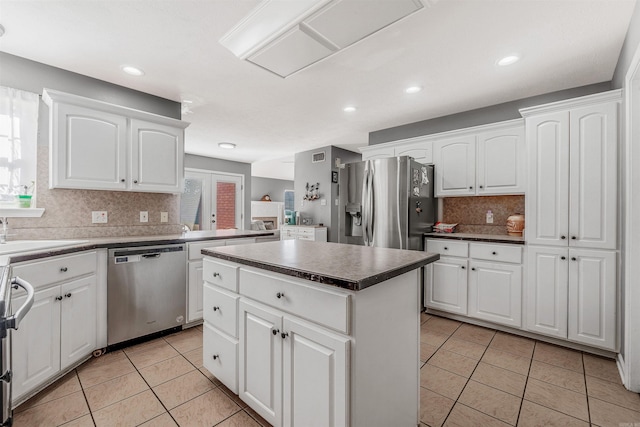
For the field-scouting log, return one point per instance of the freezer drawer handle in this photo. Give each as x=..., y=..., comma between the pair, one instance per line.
x=14, y=321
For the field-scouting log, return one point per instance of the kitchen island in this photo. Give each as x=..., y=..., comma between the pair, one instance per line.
x=316, y=334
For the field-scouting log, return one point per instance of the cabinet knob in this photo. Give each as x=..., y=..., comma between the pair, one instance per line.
x=216, y=308
x=215, y=356
x=446, y=248
x=494, y=253
x=280, y=295
x=563, y=257
x=573, y=258
x=284, y=335
x=470, y=188
x=63, y=269
x=122, y=180
x=462, y=267
x=573, y=237
x=216, y=274
x=473, y=269
x=59, y=298
x=68, y=295
x=135, y=181
x=275, y=331
x=481, y=187
x=563, y=237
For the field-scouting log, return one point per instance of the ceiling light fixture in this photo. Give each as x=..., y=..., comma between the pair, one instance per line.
x=132, y=71
x=349, y=109
x=508, y=60
x=227, y=145
x=413, y=89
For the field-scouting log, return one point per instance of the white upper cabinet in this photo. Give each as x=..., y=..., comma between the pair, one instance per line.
x=572, y=187
x=420, y=148
x=501, y=163
x=99, y=146
x=374, y=152
x=455, y=171
x=482, y=161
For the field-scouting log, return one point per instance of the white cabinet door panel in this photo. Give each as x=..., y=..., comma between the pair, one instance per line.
x=502, y=162
x=36, y=344
x=377, y=153
x=78, y=321
x=88, y=149
x=315, y=376
x=495, y=292
x=594, y=173
x=548, y=187
x=260, y=361
x=455, y=170
x=547, y=290
x=447, y=285
x=592, y=298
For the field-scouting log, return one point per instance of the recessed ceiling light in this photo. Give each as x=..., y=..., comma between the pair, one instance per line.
x=508, y=60
x=227, y=145
x=349, y=109
x=132, y=71
x=413, y=89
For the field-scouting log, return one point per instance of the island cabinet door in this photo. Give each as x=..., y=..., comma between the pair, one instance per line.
x=315, y=377
x=260, y=373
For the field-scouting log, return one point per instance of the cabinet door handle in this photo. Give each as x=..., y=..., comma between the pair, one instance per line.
x=563, y=237
x=275, y=331
x=563, y=257
x=470, y=188
x=494, y=253
x=481, y=187
x=216, y=308
x=63, y=269
x=573, y=258
x=473, y=269
x=573, y=237
x=280, y=295
x=284, y=335
x=135, y=181
x=462, y=267
x=122, y=180
x=59, y=298
x=215, y=356
x=68, y=295
x=216, y=274
x=446, y=248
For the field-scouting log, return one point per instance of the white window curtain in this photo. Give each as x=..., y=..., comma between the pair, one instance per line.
x=18, y=142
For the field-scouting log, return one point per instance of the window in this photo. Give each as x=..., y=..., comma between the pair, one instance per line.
x=18, y=142
x=289, y=204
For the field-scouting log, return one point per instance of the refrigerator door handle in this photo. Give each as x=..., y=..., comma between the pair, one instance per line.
x=365, y=204
x=370, y=207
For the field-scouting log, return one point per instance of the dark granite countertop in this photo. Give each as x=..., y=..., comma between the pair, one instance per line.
x=491, y=238
x=121, y=242
x=346, y=266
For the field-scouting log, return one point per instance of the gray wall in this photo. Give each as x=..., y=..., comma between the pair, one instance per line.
x=481, y=116
x=308, y=172
x=273, y=187
x=628, y=49
x=219, y=165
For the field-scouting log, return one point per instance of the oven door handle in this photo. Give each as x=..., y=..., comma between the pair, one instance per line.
x=14, y=321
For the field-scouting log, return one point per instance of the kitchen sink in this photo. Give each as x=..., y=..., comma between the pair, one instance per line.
x=34, y=245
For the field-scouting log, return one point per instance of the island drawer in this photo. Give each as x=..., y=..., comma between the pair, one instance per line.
x=319, y=305
x=196, y=248
x=243, y=241
x=56, y=269
x=220, y=356
x=490, y=252
x=448, y=247
x=221, y=273
x=220, y=308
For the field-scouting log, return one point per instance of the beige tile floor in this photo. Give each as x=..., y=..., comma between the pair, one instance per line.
x=470, y=376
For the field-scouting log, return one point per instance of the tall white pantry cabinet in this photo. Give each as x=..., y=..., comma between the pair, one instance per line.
x=571, y=212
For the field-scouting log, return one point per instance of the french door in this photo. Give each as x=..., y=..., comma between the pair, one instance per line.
x=212, y=201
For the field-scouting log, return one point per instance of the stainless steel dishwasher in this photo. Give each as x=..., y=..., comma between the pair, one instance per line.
x=146, y=291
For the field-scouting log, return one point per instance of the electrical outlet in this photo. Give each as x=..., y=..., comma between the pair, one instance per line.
x=323, y=202
x=144, y=216
x=164, y=216
x=99, y=217
x=489, y=217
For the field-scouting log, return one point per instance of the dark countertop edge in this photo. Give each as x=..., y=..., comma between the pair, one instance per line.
x=352, y=285
x=50, y=252
x=452, y=236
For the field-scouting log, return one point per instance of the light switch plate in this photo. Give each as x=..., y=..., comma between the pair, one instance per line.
x=144, y=216
x=164, y=216
x=99, y=217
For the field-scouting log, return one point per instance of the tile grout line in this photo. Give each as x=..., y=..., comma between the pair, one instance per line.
x=526, y=381
x=586, y=387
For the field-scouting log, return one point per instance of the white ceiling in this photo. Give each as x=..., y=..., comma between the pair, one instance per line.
x=449, y=48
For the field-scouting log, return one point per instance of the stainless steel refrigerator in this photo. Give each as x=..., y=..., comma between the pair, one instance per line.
x=386, y=203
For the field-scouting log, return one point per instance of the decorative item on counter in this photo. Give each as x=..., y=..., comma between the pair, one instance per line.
x=312, y=191
x=440, y=227
x=265, y=198
x=24, y=199
x=515, y=224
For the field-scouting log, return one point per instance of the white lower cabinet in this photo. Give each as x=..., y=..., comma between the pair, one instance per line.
x=62, y=326
x=495, y=292
x=446, y=285
x=297, y=363
x=572, y=295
